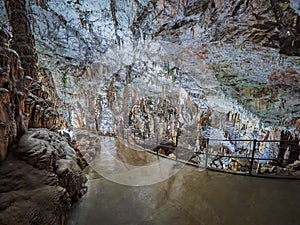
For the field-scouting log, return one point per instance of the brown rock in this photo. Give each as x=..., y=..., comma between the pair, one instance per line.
x=286, y=77
x=23, y=41
x=30, y=196
x=11, y=92
x=48, y=151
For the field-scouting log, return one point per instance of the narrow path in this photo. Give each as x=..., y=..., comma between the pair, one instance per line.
x=132, y=187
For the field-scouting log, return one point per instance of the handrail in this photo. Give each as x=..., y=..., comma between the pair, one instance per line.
x=210, y=160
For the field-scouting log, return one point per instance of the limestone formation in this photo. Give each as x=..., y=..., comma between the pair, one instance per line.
x=11, y=95
x=267, y=23
x=46, y=150
x=23, y=101
x=68, y=42
x=41, y=192
x=285, y=77
x=87, y=144
x=31, y=196
x=40, y=179
x=23, y=41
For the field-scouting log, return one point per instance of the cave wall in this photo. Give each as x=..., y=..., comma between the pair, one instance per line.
x=267, y=23
x=22, y=40
x=24, y=101
x=70, y=35
x=40, y=173
x=80, y=32
x=11, y=93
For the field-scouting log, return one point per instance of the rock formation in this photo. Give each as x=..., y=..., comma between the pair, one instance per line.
x=46, y=150
x=30, y=196
x=267, y=23
x=42, y=174
x=12, y=95
x=174, y=82
x=39, y=186
x=22, y=40
x=24, y=103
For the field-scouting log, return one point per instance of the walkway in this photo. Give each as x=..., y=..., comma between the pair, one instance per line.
x=132, y=187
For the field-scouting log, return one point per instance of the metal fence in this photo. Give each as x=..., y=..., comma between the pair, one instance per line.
x=248, y=157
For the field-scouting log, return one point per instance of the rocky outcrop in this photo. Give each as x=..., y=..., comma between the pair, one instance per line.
x=40, y=111
x=87, y=143
x=22, y=41
x=46, y=150
x=289, y=148
x=31, y=196
x=69, y=35
x=287, y=77
x=24, y=103
x=12, y=95
x=39, y=186
x=267, y=23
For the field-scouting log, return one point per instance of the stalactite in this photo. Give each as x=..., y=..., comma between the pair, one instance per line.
x=23, y=40
x=113, y=10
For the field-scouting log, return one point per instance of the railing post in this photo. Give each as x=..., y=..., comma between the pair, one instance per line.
x=157, y=143
x=206, y=153
x=252, y=156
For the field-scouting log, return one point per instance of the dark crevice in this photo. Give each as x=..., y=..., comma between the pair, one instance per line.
x=115, y=20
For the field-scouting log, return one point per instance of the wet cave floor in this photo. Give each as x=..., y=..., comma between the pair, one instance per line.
x=135, y=187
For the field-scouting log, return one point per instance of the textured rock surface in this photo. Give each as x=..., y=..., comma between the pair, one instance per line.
x=216, y=81
x=46, y=150
x=80, y=32
x=87, y=143
x=262, y=22
x=71, y=34
x=39, y=186
x=230, y=68
x=31, y=196
x=24, y=102
x=12, y=95
x=287, y=77
x=42, y=192
x=22, y=41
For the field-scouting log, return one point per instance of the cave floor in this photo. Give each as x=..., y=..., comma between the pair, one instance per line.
x=132, y=187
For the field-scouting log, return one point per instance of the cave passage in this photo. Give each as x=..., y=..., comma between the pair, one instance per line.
x=156, y=192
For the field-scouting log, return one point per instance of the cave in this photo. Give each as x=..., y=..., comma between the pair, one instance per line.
x=149, y=112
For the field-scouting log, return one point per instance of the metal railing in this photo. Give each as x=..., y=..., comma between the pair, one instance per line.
x=246, y=156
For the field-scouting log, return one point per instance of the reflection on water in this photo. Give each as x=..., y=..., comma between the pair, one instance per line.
x=186, y=196
x=131, y=167
x=136, y=158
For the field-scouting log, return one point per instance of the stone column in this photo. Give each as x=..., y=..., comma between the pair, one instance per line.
x=23, y=40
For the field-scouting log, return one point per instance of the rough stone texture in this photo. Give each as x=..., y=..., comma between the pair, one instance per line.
x=11, y=95
x=268, y=23
x=40, y=111
x=24, y=102
x=31, y=196
x=40, y=193
x=39, y=186
x=287, y=77
x=87, y=143
x=23, y=41
x=46, y=150
x=69, y=35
